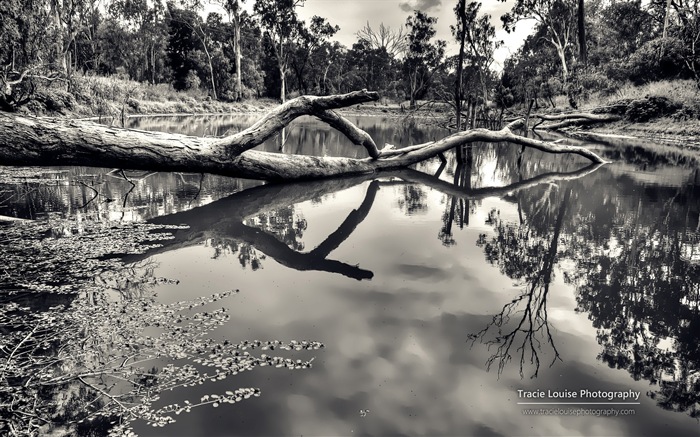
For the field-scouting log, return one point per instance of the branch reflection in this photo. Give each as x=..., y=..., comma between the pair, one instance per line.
x=522, y=326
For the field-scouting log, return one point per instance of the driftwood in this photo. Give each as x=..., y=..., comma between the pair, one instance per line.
x=30, y=141
x=573, y=119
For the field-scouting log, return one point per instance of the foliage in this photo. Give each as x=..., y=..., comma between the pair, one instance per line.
x=652, y=107
x=424, y=58
x=656, y=60
x=556, y=18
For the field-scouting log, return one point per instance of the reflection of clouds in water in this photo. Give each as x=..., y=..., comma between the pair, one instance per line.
x=397, y=345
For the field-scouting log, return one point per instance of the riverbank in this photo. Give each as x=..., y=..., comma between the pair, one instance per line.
x=119, y=98
x=664, y=130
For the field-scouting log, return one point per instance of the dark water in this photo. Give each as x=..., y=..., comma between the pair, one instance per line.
x=438, y=293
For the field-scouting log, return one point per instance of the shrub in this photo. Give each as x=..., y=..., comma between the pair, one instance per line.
x=645, y=65
x=650, y=107
x=56, y=100
x=192, y=81
x=134, y=104
x=618, y=107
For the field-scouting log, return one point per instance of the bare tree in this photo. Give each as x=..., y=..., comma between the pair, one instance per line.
x=393, y=41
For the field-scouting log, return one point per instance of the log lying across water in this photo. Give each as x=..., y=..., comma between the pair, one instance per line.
x=573, y=119
x=30, y=141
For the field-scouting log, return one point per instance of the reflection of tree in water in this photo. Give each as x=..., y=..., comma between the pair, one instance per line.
x=528, y=257
x=636, y=272
x=288, y=226
x=283, y=223
x=260, y=222
x=458, y=209
x=412, y=199
x=643, y=294
x=101, y=192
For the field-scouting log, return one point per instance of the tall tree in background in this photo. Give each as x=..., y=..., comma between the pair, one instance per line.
x=25, y=41
x=475, y=35
x=181, y=44
x=460, y=34
x=309, y=40
x=233, y=9
x=393, y=41
x=143, y=36
x=556, y=16
x=424, y=57
x=581, y=22
x=279, y=20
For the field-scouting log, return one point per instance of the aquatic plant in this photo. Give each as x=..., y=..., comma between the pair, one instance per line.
x=66, y=256
x=100, y=354
x=91, y=364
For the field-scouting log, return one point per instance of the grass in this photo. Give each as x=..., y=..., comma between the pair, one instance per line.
x=685, y=92
x=116, y=96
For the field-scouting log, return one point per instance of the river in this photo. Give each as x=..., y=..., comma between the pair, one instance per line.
x=512, y=293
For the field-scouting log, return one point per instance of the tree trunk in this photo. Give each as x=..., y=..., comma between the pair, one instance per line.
x=461, y=12
x=573, y=119
x=283, y=85
x=211, y=73
x=38, y=141
x=583, y=52
x=237, y=49
x=561, y=52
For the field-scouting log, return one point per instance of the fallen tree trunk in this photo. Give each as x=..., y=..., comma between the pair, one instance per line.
x=28, y=141
x=573, y=119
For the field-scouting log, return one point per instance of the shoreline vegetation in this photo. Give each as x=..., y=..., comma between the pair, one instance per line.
x=665, y=111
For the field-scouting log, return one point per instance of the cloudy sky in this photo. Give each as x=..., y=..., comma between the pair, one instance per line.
x=351, y=16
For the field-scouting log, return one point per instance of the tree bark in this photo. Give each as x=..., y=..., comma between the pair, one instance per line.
x=573, y=119
x=35, y=141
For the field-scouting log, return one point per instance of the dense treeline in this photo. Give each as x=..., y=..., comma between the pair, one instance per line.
x=576, y=48
x=579, y=48
x=232, y=55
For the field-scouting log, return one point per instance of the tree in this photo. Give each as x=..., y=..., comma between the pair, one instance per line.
x=25, y=40
x=24, y=141
x=392, y=41
x=181, y=44
x=461, y=35
x=529, y=69
x=234, y=9
x=281, y=25
x=555, y=16
x=423, y=58
x=142, y=37
x=475, y=35
x=369, y=68
x=308, y=41
x=581, y=24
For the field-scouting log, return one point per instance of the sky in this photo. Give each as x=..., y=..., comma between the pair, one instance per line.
x=353, y=15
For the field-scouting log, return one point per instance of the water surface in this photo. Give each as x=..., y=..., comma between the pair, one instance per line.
x=438, y=292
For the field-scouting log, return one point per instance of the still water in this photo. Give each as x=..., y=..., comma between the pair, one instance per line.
x=446, y=297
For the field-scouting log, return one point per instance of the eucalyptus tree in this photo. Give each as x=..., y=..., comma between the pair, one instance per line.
x=25, y=49
x=144, y=32
x=476, y=37
x=558, y=17
x=309, y=40
x=234, y=9
x=188, y=21
x=423, y=57
x=281, y=25
x=369, y=67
